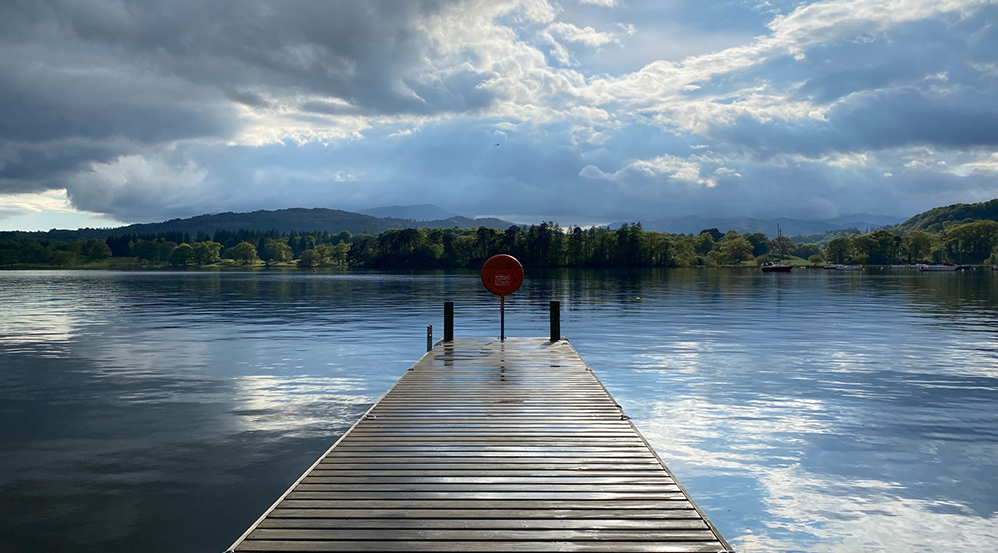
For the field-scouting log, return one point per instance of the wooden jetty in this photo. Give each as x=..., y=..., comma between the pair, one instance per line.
x=488, y=446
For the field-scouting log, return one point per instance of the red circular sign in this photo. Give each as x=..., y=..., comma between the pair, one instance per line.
x=502, y=274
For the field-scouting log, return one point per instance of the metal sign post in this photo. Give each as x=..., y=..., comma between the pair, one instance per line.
x=502, y=275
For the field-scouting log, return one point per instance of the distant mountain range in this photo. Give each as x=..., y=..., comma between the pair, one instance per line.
x=284, y=220
x=422, y=212
x=693, y=224
x=380, y=219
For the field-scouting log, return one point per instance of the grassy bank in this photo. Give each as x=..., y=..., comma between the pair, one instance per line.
x=135, y=264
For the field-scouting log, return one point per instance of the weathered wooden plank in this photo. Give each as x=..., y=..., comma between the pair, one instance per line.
x=671, y=534
x=503, y=439
x=461, y=425
x=417, y=477
x=508, y=456
x=487, y=446
x=504, y=436
x=473, y=415
x=312, y=491
x=462, y=430
x=470, y=515
x=573, y=448
x=578, y=467
x=504, y=489
x=506, y=475
x=456, y=503
x=483, y=523
x=484, y=547
x=576, y=448
x=549, y=461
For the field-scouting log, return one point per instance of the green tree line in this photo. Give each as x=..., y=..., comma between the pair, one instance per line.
x=543, y=245
x=968, y=243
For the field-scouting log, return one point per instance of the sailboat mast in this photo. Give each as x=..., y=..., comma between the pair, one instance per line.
x=779, y=237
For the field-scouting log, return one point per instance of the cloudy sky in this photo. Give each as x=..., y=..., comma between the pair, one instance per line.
x=578, y=111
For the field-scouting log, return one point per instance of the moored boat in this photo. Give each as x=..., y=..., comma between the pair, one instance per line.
x=780, y=267
x=839, y=267
x=770, y=267
x=937, y=267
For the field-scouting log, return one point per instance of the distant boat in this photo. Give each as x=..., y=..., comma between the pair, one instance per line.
x=839, y=267
x=770, y=267
x=781, y=267
x=937, y=267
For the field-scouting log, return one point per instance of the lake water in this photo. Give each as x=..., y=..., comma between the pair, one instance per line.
x=817, y=411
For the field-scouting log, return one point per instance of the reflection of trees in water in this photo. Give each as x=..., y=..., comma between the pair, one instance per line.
x=954, y=294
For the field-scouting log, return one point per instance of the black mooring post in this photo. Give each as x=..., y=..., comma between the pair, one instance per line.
x=555, y=321
x=502, y=318
x=448, y=321
x=429, y=337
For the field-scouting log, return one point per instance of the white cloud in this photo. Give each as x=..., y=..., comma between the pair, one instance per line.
x=657, y=88
x=989, y=163
x=20, y=204
x=628, y=28
x=559, y=32
x=583, y=35
x=918, y=164
x=664, y=167
x=595, y=173
x=404, y=132
x=844, y=161
x=988, y=69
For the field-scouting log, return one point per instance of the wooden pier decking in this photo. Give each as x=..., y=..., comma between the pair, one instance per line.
x=488, y=446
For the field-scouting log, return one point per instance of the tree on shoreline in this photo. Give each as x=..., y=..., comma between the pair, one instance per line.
x=182, y=255
x=206, y=252
x=243, y=251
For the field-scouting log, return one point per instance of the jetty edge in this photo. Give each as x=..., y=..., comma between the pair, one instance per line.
x=488, y=445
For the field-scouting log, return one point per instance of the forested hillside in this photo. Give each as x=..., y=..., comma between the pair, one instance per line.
x=939, y=218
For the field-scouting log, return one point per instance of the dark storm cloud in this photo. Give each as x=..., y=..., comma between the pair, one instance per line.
x=905, y=57
x=87, y=81
x=361, y=52
x=960, y=118
x=920, y=85
x=963, y=119
x=33, y=166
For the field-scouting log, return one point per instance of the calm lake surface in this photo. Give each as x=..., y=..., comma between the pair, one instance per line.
x=817, y=411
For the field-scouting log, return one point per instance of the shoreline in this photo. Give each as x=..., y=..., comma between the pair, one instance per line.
x=292, y=266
